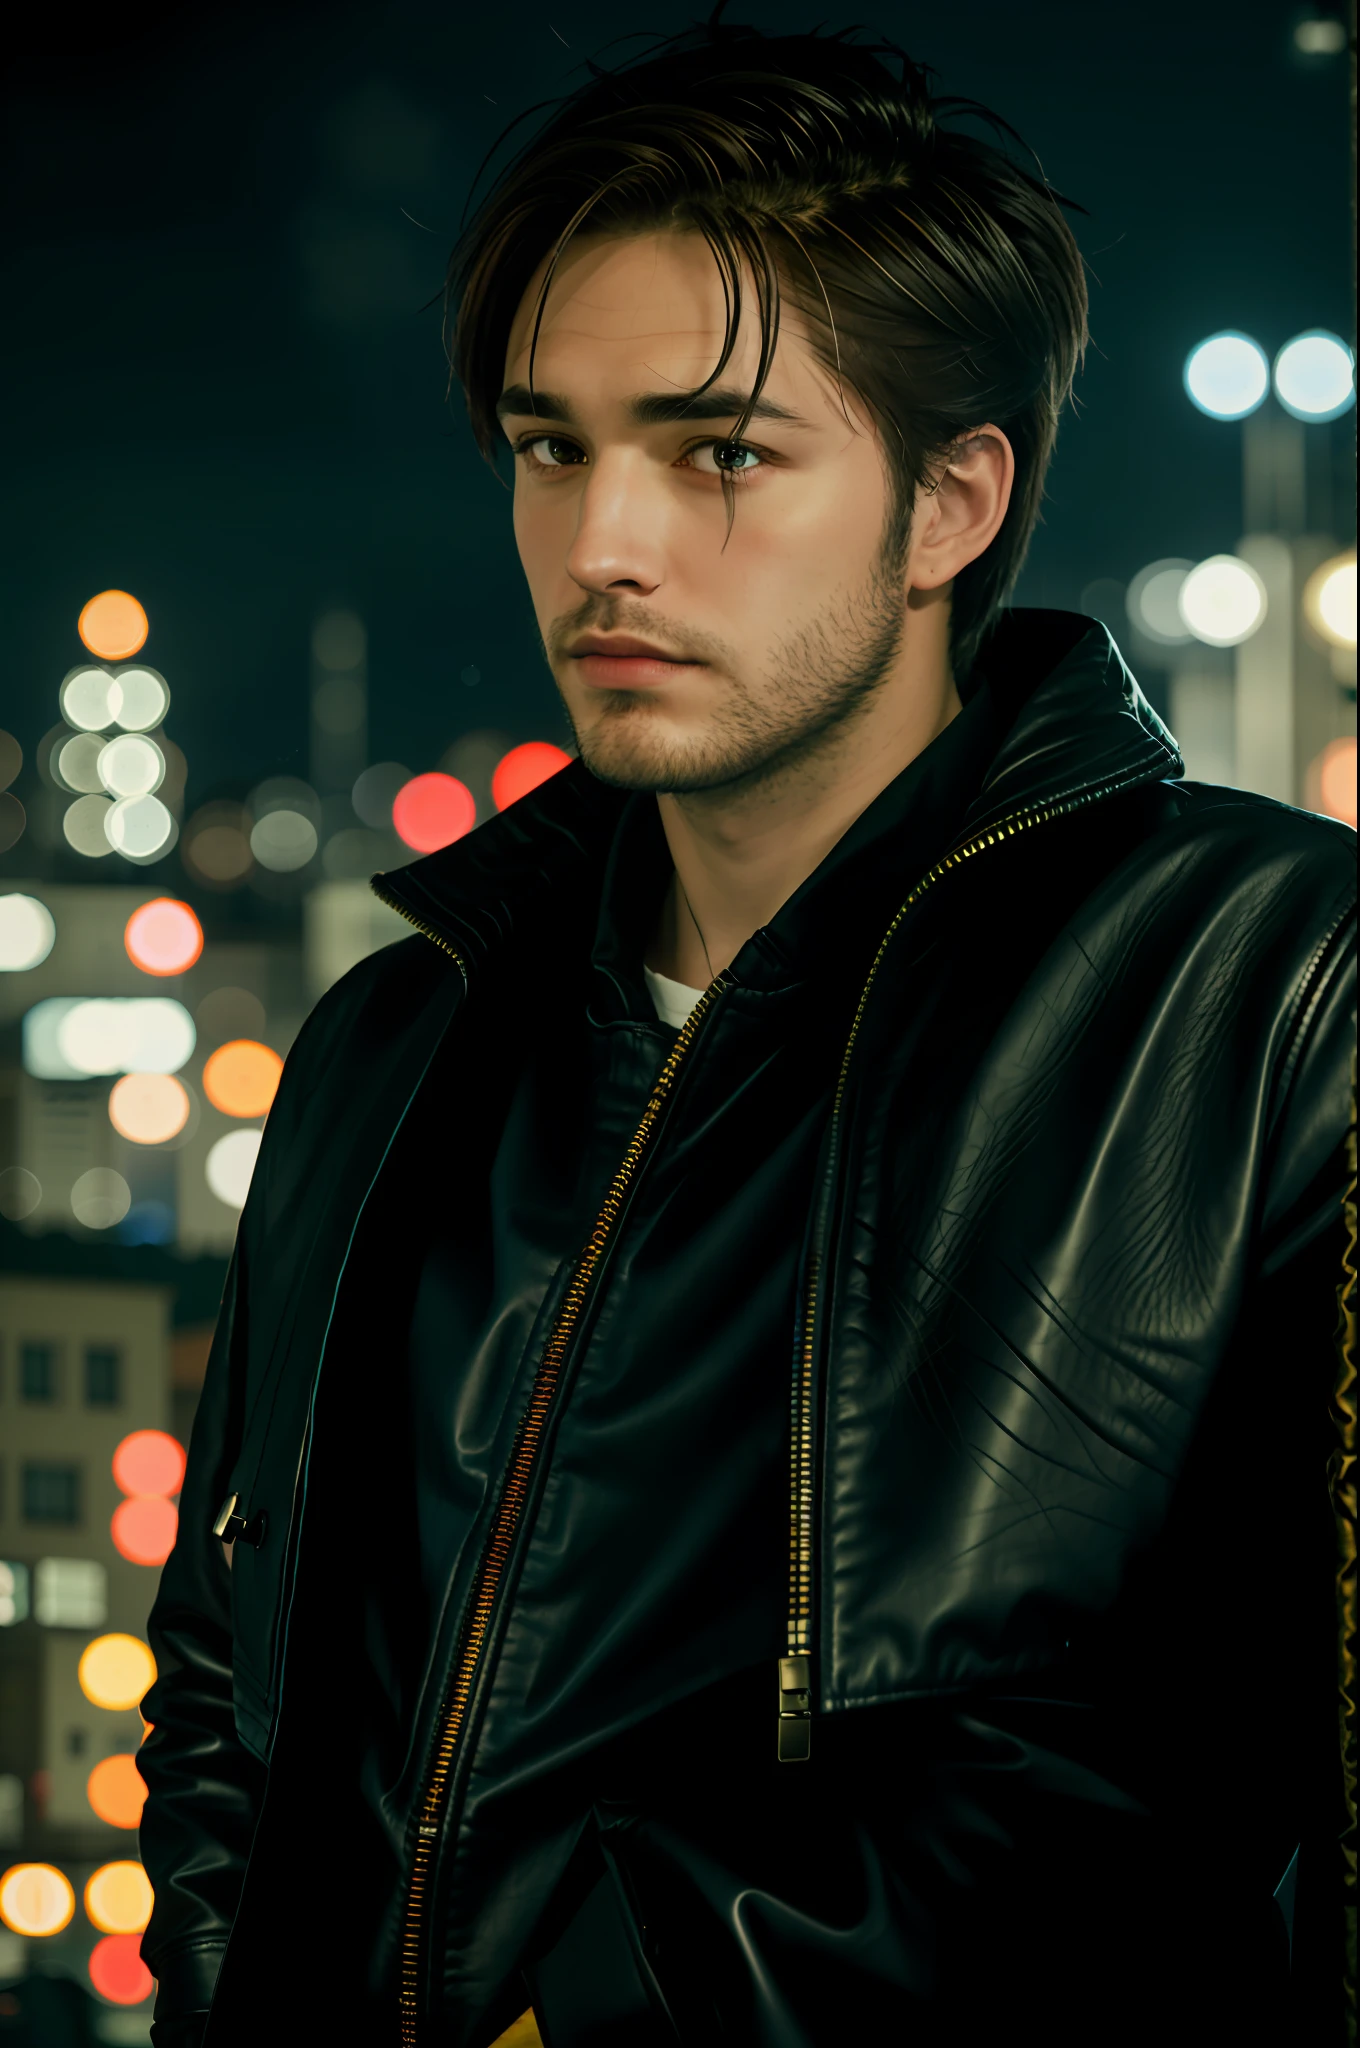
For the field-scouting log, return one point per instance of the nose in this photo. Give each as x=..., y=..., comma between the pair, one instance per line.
x=619, y=543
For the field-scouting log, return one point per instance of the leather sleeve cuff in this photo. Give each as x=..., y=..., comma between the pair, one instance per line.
x=186, y=1977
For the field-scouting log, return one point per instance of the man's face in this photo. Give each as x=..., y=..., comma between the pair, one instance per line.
x=784, y=635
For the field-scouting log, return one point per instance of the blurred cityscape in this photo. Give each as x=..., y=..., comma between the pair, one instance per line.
x=158, y=957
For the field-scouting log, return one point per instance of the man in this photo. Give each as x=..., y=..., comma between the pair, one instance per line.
x=764, y=1472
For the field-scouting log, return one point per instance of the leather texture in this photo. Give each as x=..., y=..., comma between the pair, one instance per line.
x=1078, y=1206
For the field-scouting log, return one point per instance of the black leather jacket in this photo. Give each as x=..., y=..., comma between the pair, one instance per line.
x=1061, y=1353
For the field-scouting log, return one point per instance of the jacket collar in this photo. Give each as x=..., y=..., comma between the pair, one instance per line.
x=1077, y=727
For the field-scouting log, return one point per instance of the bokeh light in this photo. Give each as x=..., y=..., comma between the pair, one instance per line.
x=115, y=1671
x=83, y=824
x=27, y=933
x=117, y=1971
x=149, y=1109
x=124, y=1034
x=77, y=763
x=1153, y=601
x=145, y=699
x=90, y=698
x=13, y=818
x=523, y=769
x=229, y=1013
x=1315, y=376
x=375, y=792
x=131, y=765
x=1329, y=783
x=230, y=1165
x=242, y=1077
x=20, y=1193
x=113, y=625
x=100, y=1198
x=433, y=810
x=36, y=1899
x=118, y=1897
x=163, y=937
x=1223, y=601
x=144, y=1531
x=1329, y=600
x=217, y=845
x=117, y=1793
x=149, y=1461
x=140, y=827
x=283, y=841
x=11, y=758
x=1228, y=375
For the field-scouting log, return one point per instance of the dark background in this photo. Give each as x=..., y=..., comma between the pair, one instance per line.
x=226, y=390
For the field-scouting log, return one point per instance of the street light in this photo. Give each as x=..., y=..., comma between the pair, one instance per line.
x=1315, y=376
x=1228, y=375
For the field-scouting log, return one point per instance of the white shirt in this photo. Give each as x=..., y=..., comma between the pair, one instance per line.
x=673, y=999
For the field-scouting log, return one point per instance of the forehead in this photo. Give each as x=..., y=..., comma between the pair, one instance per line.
x=617, y=305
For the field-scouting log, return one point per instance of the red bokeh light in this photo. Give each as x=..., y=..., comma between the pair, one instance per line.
x=433, y=810
x=163, y=937
x=143, y=1529
x=149, y=1461
x=117, y=1971
x=523, y=768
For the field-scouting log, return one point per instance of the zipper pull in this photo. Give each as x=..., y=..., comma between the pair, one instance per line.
x=795, y=1709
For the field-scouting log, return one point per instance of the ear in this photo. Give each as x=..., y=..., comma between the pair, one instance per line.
x=959, y=511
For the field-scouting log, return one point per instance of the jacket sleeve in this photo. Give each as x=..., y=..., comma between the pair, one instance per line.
x=204, y=1789
x=1308, y=1264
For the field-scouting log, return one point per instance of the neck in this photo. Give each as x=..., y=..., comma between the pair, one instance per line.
x=741, y=851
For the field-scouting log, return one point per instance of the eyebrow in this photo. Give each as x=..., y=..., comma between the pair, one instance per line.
x=650, y=408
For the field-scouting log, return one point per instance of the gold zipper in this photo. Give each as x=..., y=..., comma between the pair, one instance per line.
x=795, y=1666
x=512, y=1499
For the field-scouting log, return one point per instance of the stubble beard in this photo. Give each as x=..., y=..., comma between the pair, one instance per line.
x=819, y=684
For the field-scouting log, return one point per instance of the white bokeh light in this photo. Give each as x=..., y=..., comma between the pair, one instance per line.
x=1153, y=601
x=230, y=1164
x=83, y=824
x=1228, y=375
x=76, y=763
x=131, y=765
x=145, y=699
x=90, y=698
x=283, y=841
x=1223, y=601
x=139, y=826
x=28, y=933
x=100, y=1198
x=1315, y=376
x=119, y=1035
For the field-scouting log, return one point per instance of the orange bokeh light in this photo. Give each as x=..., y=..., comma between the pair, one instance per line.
x=1336, y=780
x=113, y=625
x=148, y=1108
x=433, y=810
x=149, y=1461
x=117, y=1791
x=117, y=1971
x=242, y=1077
x=143, y=1529
x=523, y=768
x=36, y=1898
x=163, y=937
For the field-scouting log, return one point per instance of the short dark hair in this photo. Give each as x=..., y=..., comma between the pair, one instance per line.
x=935, y=273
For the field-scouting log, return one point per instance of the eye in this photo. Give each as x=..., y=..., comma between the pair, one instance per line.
x=728, y=450
x=531, y=442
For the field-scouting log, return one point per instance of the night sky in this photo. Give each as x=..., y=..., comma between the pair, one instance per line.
x=226, y=390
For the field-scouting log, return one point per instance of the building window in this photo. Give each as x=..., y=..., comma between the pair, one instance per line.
x=52, y=1493
x=38, y=1372
x=103, y=1376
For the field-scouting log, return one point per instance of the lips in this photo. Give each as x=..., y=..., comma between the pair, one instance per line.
x=624, y=649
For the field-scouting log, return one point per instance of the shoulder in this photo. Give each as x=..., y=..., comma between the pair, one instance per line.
x=1228, y=846
x=365, y=1020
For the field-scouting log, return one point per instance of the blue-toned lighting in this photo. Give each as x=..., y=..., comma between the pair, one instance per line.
x=1315, y=376
x=1228, y=375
